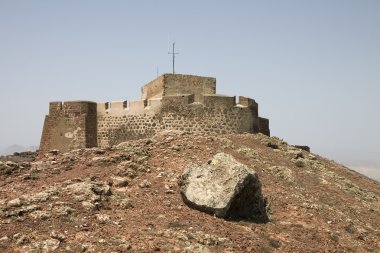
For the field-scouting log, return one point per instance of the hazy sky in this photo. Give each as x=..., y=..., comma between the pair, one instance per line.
x=313, y=66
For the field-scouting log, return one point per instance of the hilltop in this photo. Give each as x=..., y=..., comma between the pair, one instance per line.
x=126, y=199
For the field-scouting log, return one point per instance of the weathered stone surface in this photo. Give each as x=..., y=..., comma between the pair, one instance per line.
x=46, y=246
x=223, y=187
x=119, y=181
x=145, y=184
x=171, y=102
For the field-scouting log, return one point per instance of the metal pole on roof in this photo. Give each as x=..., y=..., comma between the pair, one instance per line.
x=173, y=53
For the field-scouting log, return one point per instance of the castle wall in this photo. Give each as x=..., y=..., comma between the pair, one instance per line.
x=174, y=84
x=153, y=89
x=170, y=102
x=220, y=101
x=119, y=123
x=200, y=119
x=188, y=84
x=114, y=129
x=178, y=113
x=69, y=125
x=264, y=126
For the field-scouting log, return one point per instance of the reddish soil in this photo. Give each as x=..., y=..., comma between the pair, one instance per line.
x=315, y=205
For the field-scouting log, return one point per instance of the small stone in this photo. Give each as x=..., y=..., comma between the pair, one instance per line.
x=124, y=246
x=11, y=164
x=119, y=181
x=300, y=163
x=88, y=205
x=54, y=152
x=103, y=218
x=99, y=151
x=50, y=245
x=40, y=215
x=176, y=148
x=145, y=184
x=126, y=203
x=4, y=239
x=63, y=210
x=161, y=174
x=282, y=173
x=56, y=235
x=14, y=203
x=270, y=144
x=295, y=154
x=20, y=239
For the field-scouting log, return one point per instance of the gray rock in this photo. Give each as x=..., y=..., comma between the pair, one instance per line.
x=54, y=152
x=224, y=187
x=20, y=239
x=145, y=184
x=283, y=173
x=11, y=164
x=300, y=163
x=50, y=245
x=14, y=203
x=4, y=239
x=40, y=215
x=63, y=210
x=103, y=218
x=119, y=181
x=295, y=154
x=125, y=203
x=21, y=211
x=88, y=190
x=46, y=246
x=56, y=235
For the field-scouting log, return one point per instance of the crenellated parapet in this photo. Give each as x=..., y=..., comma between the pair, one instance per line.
x=175, y=84
x=70, y=125
x=72, y=107
x=135, y=107
x=170, y=102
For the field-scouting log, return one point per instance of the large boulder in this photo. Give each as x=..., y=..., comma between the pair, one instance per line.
x=224, y=187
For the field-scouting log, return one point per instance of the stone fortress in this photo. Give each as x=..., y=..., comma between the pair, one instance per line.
x=170, y=102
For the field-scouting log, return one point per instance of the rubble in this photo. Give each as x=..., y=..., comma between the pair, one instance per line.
x=127, y=199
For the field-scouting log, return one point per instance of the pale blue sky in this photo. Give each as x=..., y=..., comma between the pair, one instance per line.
x=313, y=66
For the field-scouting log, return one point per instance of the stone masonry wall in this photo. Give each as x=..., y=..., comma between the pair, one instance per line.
x=194, y=118
x=264, y=126
x=69, y=125
x=153, y=89
x=174, y=84
x=188, y=84
x=170, y=102
x=177, y=113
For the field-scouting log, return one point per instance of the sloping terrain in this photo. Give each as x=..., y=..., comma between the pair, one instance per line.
x=126, y=199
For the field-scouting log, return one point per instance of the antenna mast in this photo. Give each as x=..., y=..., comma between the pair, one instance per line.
x=173, y=53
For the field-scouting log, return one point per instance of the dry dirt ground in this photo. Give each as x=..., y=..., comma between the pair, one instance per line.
x=126, y=199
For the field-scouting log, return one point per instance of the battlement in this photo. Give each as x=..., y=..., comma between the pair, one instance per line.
x=134, y=107
x=175, y=102
x=169, y=102
x=220, y=101
x=175, y=84
x=72, y=107
x=172, y=102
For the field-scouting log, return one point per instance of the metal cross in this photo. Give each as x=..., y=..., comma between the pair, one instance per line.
x=173, y=53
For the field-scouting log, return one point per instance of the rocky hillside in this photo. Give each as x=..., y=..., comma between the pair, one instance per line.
x=127, y=199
